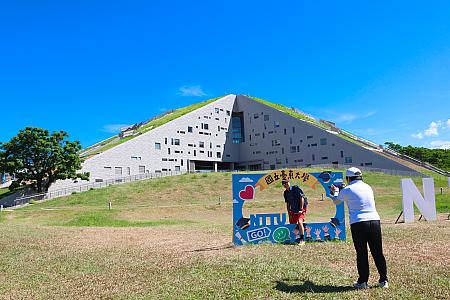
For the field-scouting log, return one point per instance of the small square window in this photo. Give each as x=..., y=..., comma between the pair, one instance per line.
x=158, y=146
x=276, y=143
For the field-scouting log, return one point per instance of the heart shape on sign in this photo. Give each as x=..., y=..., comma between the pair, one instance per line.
x=247, y=193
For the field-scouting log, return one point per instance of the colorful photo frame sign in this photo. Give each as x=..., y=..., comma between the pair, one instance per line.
x=275, y=227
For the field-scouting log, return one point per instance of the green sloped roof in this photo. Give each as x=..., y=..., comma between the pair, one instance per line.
x=296, y=114
x=170, y=116
x=155, y=123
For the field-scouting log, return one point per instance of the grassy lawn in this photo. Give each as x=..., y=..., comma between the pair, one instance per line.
x=168, y=238
x=4, y=192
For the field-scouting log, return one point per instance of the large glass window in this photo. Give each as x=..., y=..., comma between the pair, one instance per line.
x=237, y=128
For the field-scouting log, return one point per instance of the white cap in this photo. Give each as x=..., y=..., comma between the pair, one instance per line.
x=353, y=172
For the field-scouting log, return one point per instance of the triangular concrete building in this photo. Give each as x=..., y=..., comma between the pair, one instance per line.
x=235, y=132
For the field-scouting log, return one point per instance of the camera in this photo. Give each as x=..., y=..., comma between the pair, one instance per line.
x=340, y=186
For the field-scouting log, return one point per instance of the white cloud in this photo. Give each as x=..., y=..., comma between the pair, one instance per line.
x=433, y=129
x=245, y=179
x=369, y=114
x=346, y=118
x=114, y=128
x=440, y=144
x=418, y=135
x=350, y=117
x=191, y=91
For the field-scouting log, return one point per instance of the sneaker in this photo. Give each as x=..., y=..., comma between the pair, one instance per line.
x=301, y=242
x=362, y=285
x=383, y=284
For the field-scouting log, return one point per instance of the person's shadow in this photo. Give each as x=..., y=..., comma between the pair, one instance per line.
x=310, y=287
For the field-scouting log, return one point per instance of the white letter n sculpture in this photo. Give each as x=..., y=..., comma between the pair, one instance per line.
x=426, y=204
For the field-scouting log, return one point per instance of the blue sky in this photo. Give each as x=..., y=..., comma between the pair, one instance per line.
x=379, y=69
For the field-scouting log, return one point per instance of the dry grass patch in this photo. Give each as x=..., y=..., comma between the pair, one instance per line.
x=191, y=258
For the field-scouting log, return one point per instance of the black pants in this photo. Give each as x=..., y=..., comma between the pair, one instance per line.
x=363, y=233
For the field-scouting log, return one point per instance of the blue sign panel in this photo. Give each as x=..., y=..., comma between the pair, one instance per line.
x=279, y=227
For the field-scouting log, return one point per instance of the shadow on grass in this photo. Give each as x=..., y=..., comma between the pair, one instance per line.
x=310, y=287
x=215, y=248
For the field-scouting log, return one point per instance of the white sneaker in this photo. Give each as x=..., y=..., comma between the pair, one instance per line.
x=383, y=284
x=362, y=285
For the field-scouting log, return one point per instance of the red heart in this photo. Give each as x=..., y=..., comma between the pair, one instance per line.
x=247, y=193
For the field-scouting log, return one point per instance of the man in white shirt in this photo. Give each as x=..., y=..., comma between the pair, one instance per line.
x=364, y=224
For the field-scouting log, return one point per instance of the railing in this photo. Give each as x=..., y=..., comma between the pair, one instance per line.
x=399, y=155
x=417, y=162
x=93, y=185
x=96, y=185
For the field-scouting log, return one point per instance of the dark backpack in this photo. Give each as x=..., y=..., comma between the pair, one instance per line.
x=305, y=199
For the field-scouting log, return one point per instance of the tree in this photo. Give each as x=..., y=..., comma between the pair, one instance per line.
x=35, y=156
x=393, y=146
x=437, y=157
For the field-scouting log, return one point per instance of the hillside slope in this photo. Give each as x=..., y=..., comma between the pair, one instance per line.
x=169, y=238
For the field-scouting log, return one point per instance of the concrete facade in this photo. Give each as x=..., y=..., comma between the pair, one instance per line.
x=278, y=140
x=203, y=139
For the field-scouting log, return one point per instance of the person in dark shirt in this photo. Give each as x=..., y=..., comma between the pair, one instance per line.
x=294, y=198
